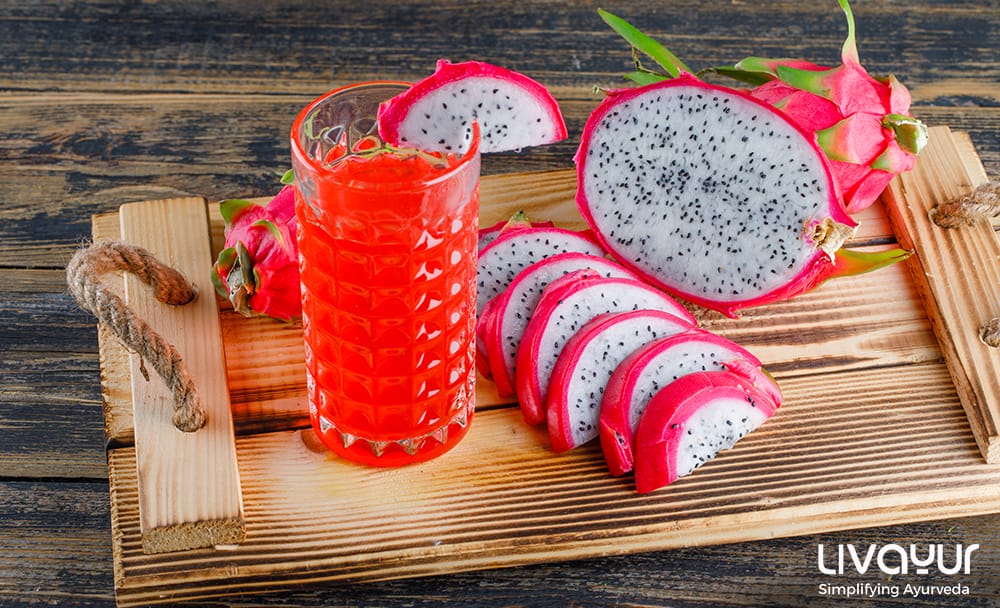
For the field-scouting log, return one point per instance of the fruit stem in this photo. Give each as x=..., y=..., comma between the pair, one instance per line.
x=829, y=236
x=851, y=261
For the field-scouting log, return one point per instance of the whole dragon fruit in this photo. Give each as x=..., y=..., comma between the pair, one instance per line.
x=713, y=195
x=861, y=123
x=258, y=270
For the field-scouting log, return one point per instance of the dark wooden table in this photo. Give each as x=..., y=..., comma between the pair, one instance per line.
x=103, y=103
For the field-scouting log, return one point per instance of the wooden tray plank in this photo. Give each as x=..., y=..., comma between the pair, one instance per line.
x=821, y=463
x=957, y=275
x=190, y=493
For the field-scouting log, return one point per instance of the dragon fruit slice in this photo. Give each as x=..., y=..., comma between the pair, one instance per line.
x=713, y=195
x=566, y=305
x=258, y=269
x=585, y=365
x=517, y=221
x=507, y=315
x=500, y=261
x=648, y=369
x=691, y=420
x=436, y=114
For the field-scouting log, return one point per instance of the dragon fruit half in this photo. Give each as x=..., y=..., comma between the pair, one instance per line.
x=713, y=195
x=258, y=269
x=692, y=419
x=861, y=123
x=436, y=114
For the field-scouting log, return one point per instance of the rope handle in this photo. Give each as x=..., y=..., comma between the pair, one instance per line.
x=981, y=204
x=83, y=275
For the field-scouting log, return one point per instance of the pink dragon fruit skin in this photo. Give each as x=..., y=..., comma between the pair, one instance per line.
x=862, y=123
x=692, y=419
x=258, y=269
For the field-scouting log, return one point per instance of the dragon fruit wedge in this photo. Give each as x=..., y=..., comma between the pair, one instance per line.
x=258, y=269
x=653, y=366
x=586, y=363
x=713, y=195
x=516, y=222
x=691, y=420
x=436, y=114
x=566, y=305
x=862, y=123
x=510, y=253
x=507, y=315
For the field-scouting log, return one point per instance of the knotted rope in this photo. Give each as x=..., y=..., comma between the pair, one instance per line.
x=83, y=274
x=968, y=210
x=982, y=203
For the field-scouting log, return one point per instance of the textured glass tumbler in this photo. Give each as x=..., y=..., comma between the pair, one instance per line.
x=387, y=254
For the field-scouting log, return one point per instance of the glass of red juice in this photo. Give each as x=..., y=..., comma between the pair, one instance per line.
x=387, y=257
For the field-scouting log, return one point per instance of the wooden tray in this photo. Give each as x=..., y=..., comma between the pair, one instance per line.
x=873, y=432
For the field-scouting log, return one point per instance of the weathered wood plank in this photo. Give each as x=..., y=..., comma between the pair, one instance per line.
x=177, y=46
x=957, y=303
x=189, y=483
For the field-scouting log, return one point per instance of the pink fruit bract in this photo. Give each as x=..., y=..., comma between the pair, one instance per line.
x=650, y=368
x=692, y=419
x=862, y=123
x=436, y=114
x=258, y=268
x=513, y=308
x=566, y=305
x=713, y=195
x=585, y=365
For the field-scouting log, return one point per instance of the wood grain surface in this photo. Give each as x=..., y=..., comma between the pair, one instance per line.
x=104, y=103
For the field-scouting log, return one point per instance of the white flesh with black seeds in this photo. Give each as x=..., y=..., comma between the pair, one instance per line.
x=598, y=360
x=716, y=426
x=705, y=191
x=446, y=116
x=501, y=260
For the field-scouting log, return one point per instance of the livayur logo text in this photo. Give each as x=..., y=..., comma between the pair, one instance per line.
x=894, y=560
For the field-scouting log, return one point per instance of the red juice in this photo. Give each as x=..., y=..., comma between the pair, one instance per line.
x=387, y=254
